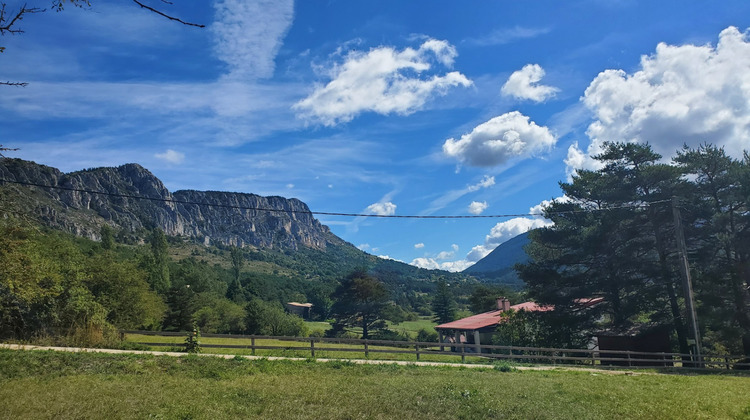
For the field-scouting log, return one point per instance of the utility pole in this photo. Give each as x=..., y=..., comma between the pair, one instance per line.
x=686, y=283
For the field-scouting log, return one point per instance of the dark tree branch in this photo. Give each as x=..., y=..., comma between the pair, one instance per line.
x=5, y=149
x=149, y=8
x=7, y=26
x=9, y=83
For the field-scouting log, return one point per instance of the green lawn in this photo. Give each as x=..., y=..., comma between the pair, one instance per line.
x=46, y=385
x=413, y=327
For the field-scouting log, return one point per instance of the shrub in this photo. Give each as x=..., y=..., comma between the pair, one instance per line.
x=425, y=335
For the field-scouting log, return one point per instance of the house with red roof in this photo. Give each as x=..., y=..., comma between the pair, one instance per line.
x=478, y=329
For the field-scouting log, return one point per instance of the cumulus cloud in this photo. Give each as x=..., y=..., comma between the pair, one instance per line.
x=382, y=209
x=248, y=34
x=419, y=245
x=171, y=156
x=433, y=264
x=478, y=207
x=383, y=80
x=681, y=94
x=363, y=247
x=503, y=231
x=499, y=140
x=524, y=84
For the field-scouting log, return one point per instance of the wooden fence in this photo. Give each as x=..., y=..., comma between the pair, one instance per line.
x=488, y=353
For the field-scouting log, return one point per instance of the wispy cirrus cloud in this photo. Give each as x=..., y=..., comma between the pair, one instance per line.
x=383, y=80
x=487, y=181
x=248, y=35
x=171, y=156
x=507, y=35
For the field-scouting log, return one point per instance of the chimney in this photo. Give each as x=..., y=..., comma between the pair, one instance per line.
x=503, y=304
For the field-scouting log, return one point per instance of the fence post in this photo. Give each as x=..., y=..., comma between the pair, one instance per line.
x=367, y=351
x=252, y=346
x=312, y=348
x=726, y=361
x=630, y=364
x=416, y=349
x=463, y=353
x=593, y=358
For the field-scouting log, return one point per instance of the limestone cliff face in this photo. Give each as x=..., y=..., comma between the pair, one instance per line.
x=229, y=218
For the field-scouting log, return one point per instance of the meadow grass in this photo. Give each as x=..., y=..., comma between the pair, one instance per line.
x=45, y=384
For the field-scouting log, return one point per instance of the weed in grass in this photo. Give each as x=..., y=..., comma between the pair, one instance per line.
x=504, y=366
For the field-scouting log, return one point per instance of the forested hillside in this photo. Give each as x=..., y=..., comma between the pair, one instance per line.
x=122, y=271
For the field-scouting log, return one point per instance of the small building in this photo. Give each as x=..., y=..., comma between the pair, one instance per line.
x=478, y=329
x=302, y=310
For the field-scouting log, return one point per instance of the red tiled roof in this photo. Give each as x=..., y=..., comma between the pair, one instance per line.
x=490, y=318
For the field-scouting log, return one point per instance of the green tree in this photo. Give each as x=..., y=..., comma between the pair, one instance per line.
x=108, y=237
x=359, y=301
x=443, y=304
x=159, y=270
x=604, y=242
x=268, y=318
x=235, y=291
x=719, y=213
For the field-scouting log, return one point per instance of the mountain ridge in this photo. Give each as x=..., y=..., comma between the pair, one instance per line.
x=238, y=219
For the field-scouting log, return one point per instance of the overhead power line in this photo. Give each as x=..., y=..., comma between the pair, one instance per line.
x=324, y=213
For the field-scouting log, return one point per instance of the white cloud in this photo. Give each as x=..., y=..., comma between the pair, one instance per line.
x=486, y=182
x=508, y=35
x=539, y=208
x=682, y=94
x=454, y=247
x=478, y=207
x=248, y=35
x=524, y=84
x=445, y=255
x=419, y=245
x=171, y=156
x=382, y=80
x=289, y=186
x=382, y=209
x=499, y=140
x=363, y=247
x=432, y=264
x=503, y=231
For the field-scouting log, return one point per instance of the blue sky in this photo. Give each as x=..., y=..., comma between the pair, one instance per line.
x=388, y=107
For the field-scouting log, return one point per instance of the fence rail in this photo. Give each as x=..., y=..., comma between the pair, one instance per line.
x=632, y=359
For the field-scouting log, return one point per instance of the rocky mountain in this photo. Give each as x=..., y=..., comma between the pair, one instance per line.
x=210, y=216
x=497, y=266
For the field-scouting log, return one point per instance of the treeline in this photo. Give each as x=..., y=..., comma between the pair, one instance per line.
x=614, y=237
x=74, y=290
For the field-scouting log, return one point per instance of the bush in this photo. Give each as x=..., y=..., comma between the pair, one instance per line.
x=427, y=336
x=192, y=341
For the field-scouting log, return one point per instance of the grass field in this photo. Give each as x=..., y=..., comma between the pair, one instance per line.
x=43, y=384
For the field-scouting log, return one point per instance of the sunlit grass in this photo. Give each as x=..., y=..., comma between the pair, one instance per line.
x=35, y=384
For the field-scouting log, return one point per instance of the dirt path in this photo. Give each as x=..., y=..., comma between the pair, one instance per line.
x=356, y=361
